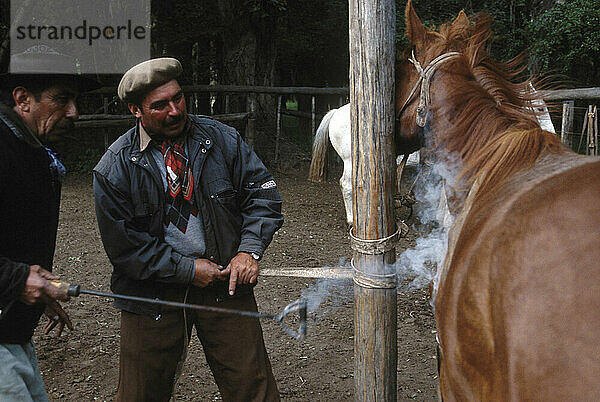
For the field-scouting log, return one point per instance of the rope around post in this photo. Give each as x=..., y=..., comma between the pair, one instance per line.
x=373, y=281
x=376, y=247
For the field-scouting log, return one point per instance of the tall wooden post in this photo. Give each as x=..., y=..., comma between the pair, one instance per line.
x=567, y=122
x=250, y=124
x=372, y=33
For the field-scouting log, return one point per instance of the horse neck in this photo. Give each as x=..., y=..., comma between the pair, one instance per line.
x=484, y=142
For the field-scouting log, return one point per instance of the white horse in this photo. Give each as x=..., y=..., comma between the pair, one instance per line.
x=335, y=125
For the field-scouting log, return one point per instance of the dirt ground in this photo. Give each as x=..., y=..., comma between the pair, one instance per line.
x=82, y=365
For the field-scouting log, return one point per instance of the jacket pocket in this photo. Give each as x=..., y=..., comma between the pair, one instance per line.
x=224, y=195
x=226, y=217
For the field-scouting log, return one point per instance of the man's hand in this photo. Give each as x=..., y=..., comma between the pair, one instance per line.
x=207, y=272
x=38, y=288
x=56, y=316
x=244, y=269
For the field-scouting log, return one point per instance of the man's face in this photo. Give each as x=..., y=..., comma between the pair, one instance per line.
x=53, y=114
x=163, y=110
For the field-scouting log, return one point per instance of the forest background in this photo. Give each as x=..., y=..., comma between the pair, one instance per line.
x=305, y=42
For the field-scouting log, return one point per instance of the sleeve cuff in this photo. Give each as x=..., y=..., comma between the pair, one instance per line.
x=251, y=246
x=20, y=280
x=185, y=270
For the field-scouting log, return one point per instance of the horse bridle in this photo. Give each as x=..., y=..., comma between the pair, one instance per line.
x=425, y=75
x=424, y=80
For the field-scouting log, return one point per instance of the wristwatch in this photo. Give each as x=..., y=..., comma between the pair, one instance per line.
x=255, y=256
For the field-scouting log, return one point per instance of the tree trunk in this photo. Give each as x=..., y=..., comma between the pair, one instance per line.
x=247, y=51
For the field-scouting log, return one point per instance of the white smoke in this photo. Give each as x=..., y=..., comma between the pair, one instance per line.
x=418, y=266
x=336, y=291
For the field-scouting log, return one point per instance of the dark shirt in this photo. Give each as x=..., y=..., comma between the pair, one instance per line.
x=29, y=206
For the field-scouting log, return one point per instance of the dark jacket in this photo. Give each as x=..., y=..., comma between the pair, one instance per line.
x=237, y=198
x=29, y=203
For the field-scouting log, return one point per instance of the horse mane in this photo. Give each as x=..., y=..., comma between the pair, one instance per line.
x=494, y=127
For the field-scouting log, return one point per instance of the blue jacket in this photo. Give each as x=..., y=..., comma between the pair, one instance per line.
x=236, y=196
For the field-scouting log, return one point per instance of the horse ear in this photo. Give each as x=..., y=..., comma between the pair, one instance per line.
x=461, y=19
x=415, y=30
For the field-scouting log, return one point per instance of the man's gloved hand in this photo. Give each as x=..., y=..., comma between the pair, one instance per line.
x=207, y=272
x=244, y=269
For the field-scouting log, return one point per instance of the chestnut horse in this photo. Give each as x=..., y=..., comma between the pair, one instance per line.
x=517, y=305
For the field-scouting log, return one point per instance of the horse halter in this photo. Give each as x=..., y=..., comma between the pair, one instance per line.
x=424, y=80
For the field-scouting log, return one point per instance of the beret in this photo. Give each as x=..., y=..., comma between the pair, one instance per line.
x=147, y=75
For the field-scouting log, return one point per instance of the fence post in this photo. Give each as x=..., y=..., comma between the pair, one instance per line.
x=190, y=104
x=596, y=128
x=592, y=135
x=106, y=130
x=313, y=113
x=251, y=124
x=372, y=34
x=567, y=122
x=278, y=128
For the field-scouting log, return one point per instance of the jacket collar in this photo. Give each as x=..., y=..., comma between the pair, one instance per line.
x=14, y=122
x=145, y=138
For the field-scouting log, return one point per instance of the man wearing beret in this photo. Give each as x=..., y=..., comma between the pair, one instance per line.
x=185, y=210
x=37, y=107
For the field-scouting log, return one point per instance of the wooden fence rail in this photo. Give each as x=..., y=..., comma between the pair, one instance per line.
x=108, y=94
x=590, y=121
x=571, y=94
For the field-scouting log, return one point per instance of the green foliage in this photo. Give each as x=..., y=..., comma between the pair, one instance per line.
x=560, y=36
x=566, y=40
x=510, y=20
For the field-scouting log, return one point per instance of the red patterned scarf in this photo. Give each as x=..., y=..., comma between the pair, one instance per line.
x=181, y=183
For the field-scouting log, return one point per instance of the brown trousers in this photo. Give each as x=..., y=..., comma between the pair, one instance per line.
x=151, y=351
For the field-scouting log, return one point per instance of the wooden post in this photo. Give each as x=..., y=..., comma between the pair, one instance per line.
x=106, y=131
x=250, y=131
x=277, y=135
x=372, y=33
x=250, y=125
x=592, y=136
x=596, y=129
x=189, y=104
x=313, y=116
x=567, y=122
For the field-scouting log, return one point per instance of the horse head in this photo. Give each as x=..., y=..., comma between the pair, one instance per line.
x=452, y=97
x=430, y=54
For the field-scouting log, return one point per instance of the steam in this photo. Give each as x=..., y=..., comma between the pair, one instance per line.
x=418, y=266
x=337, y=291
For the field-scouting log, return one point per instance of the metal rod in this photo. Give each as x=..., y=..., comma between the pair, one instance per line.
x=178, y=304
x=299, y=305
